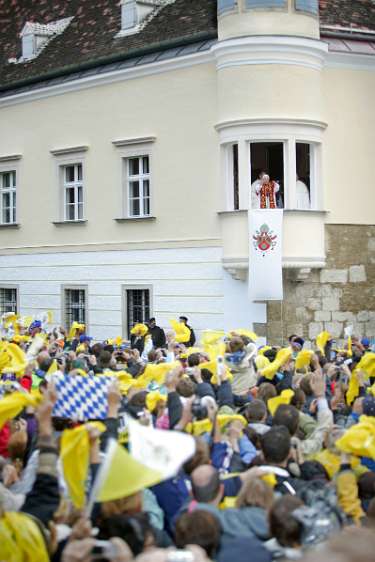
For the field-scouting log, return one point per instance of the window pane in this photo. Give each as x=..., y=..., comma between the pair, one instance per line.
x=303, y=175
x=69, y=174
x=146, y=188
x=134, y=189
x=70, y=212
x=236, y=191
x=267, y=157
x=80, y=194
x=79, y=172
x=80, y=211
x=134, y=207
x=8, y=300
x=133, y=166
x=138, y=306
x=75, y=306
x=6, y=199
x=6, y=180
x=70, y=195
x=6, y=215
x=146, y=206
x=146, y=168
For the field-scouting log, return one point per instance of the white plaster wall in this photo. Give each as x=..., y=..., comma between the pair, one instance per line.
x=188, y=281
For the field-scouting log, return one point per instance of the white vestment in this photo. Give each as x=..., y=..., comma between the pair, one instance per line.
x=303, y=198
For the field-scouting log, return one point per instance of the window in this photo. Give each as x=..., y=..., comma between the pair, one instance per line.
x=310, y=6
x=8, y=197
x=73, y=192
x=75, y=302
x=303, y=158
x=266, y=3
x=236, y=191
x=268, y=157
x=8, y=300
x=226, y=6
x=138, y=183
x=137, y=307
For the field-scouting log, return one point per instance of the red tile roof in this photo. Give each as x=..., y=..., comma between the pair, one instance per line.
x=90, y=37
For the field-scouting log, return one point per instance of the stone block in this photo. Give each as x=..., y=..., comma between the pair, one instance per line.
x=302, y=314
x=370, y=329
x=363, y=316
x=314, y=329
x=294, y=329
x=314, y=304
x=322, y=316
x=334, y=276
x=357, y=274
x=331, y=304
x=343, y=317
x=371, y=245
x=334, y=328
x=260, y=329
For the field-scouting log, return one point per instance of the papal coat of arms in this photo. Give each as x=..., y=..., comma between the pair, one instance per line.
x=265, y=239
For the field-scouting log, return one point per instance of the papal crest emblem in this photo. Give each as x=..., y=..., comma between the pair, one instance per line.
x=265, y=239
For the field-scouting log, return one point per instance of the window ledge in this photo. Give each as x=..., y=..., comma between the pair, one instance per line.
x=62, y=223
x=129, y=219
x=120, y=143
x=240, y=211
x=69, y=150
x=10, y=225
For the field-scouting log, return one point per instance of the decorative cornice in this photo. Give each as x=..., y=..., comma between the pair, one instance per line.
x=270, y=49
x=131, y=142
x=270, y=121
x=10, y=158
x=69, y=150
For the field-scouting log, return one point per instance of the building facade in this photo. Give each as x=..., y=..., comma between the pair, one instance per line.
x=130, y=137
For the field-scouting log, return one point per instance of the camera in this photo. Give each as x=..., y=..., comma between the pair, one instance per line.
x=198, y=410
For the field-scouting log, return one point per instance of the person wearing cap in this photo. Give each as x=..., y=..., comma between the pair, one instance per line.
x=366, y=344
x=193, y=339
x=157, y=334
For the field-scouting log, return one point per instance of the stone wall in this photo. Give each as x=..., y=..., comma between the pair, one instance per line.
x=330, y=299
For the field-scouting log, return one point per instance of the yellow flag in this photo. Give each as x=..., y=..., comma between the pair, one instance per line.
x=182, y=332
x=367, y=364
x=21, y=539
x=359, y=440
x=242, y=332
x=353, y=390
x=53, y=368
x=120, y=475
x=73, y=329
x=139, y=330
x=210, y=337
x=49, y=316
x=321, y=341
x=283, y=355
x=18, y=360
x=74, y=452
x=157, y=372
x=284, y=398
x=262, y=362
x=12, y=404
x=153, y=398
x=303, y=358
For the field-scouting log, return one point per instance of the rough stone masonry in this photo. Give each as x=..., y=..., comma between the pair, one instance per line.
x=329, y=299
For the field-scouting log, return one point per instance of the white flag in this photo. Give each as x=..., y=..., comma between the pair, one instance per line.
x=265, y=254
x=164, y=451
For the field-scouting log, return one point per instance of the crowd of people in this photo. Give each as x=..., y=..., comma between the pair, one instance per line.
x=284, y=447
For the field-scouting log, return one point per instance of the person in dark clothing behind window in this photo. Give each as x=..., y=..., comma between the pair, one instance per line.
x=193, y=339
x=157, y=334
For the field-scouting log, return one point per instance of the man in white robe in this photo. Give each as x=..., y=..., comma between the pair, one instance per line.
x=303, y=196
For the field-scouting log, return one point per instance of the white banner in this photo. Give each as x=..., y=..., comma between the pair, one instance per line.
x=265, y=254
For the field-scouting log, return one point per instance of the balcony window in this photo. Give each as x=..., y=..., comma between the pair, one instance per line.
x=267, y=158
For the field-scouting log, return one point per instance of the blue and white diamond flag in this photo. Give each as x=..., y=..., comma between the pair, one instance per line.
x=81, y=398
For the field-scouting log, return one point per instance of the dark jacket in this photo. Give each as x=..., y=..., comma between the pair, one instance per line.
x=242, y=549
x=137, y=342
x=193, y=339
x=157, y=336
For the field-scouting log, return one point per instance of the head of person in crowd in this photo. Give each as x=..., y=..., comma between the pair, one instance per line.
x=255, y=493
x=284, y=526
x=206, y=485
x=276, y=444
x=201, y=528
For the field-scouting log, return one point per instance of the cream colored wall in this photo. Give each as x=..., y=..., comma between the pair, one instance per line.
x=252, y=91
x=349, y=146
x=177, y=107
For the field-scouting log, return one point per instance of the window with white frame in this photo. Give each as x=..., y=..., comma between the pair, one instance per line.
x=138, y=186
x=8, y=300
x=72, y=192
x=8, y=197
x=75, y=305
x=267, y=158
x=138, y=307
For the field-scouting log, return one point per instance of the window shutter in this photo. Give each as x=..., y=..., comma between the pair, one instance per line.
x=311, y=6
x=266, y=4
x=226, y=5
